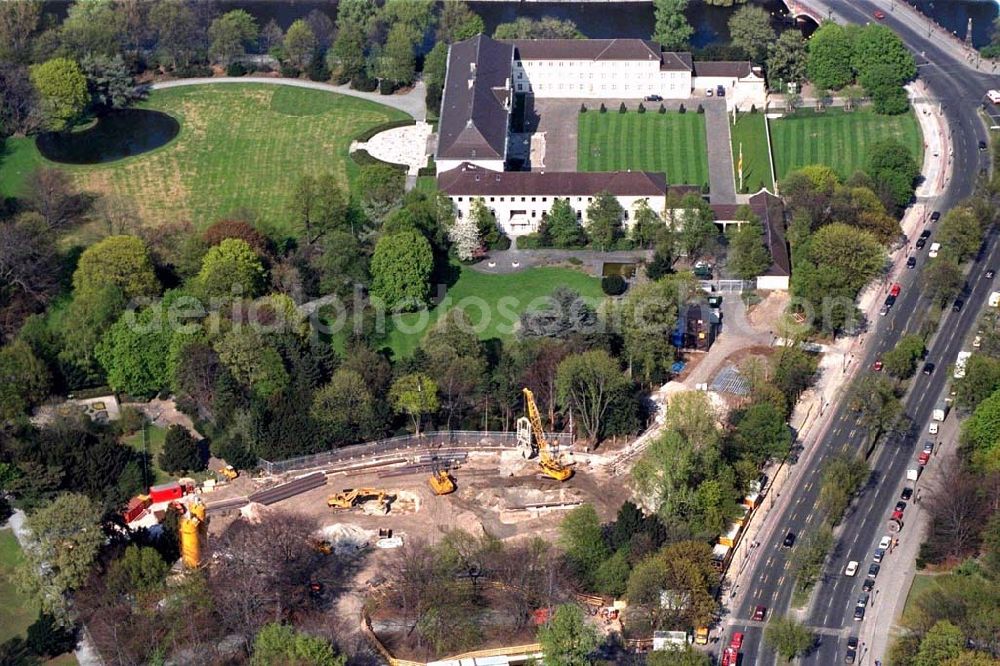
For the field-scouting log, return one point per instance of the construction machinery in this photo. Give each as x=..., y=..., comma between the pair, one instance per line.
x=321, y=546
x=229, y=472
x=441, y=482
x=550, y=464
x=352, y=497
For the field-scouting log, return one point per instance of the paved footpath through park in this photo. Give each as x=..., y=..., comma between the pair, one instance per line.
x=721, y=186
x=411, y=102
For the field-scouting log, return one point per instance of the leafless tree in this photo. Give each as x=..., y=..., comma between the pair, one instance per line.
x=958, y=508
x=28, y=260
x=260, y=572
x=117, y=214
x=51, y=193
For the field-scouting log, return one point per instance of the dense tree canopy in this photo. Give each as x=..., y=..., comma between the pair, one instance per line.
x=62, y=90
x=401, y=268
x=830, y=53
x=122, y=261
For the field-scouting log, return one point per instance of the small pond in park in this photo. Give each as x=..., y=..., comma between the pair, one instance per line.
x=115, y=135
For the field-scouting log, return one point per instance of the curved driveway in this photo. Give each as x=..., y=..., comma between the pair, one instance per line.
x=411, y=102
x=959, y=88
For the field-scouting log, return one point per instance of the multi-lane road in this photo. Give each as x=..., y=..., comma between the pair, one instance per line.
x=769, y=580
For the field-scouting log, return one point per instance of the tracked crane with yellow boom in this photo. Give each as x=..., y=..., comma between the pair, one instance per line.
x=550, y=464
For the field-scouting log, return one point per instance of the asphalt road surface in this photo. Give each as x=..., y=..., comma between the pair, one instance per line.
x=960, y=91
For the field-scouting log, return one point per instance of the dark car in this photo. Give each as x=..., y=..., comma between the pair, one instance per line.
x=901, y=506
x=852, y=650
x=720, y=91
x=926, y=233
x=907, y=493
x=921, y=242
x=653, y=98
x=859, y=613
x=957, y=307
x=935, y=216
x=873, y=571
x=759, y=612
x=911, y=262
x=890, y=300
x=982, y=145
x=928, y=368
x=868, y=585
x=789, y=540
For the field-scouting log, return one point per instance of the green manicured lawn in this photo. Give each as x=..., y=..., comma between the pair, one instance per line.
x=16, y=612
x=670, y=142
x=921, y=583
x=493, y=303
x=838, y=138
x=155, y=436
x=749, y=132
x=426, y=184
x=240, y=146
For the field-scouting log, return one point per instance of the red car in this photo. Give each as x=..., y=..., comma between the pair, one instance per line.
x=877, y=365
x=897, y=515
x=923, y=458
x=895, y=289
x=759, y=612
x=879, y=14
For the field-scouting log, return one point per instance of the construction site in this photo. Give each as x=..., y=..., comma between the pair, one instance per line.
x=368, y=502
x=373, y=508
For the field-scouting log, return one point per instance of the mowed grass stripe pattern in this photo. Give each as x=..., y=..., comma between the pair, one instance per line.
x=838, y=138
x=750, y=133
x=240, y=146
x=670, y=142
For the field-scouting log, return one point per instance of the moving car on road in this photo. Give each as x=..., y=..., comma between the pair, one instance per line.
x=928, y=369
x=789, y=540
x=852, y=568
x=759, y=613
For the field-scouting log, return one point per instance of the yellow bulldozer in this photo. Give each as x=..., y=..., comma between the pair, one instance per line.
x=352, y=497
x=551, y=465
x=441, y=482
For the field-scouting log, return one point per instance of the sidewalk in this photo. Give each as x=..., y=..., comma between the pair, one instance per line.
x=812, y=416
x=411, y=102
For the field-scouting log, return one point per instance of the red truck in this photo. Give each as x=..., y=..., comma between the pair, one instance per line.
x=731, y=655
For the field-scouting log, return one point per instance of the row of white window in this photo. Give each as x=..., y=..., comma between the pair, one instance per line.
x=521, y=87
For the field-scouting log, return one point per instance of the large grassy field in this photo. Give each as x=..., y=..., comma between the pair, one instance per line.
x=494, y=302
x=838, y=138
x=749, y=132
x=671, y=142
x=240, y=146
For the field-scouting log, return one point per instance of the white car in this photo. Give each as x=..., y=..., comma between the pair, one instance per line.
x=709, y=92
x=852, y=568
x=933, y=428
x=885, y=542
x=935, y=248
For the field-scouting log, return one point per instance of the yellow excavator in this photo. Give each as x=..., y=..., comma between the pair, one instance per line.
x=441, y=482
x=551, y=466
x=351, y=497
